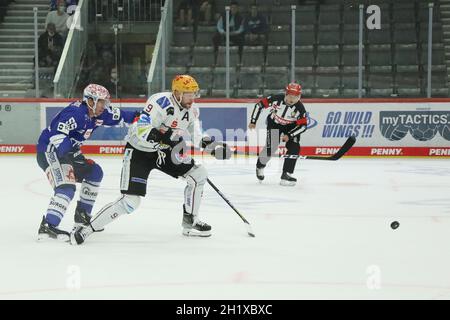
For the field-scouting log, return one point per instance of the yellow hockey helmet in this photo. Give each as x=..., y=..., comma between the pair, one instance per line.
x=184, y=83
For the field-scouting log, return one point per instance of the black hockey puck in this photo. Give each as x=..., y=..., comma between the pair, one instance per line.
x=395, y=225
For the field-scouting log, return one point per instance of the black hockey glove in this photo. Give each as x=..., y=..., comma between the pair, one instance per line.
x=81, y=165
x=206, y=141
x=220, y=150
x=168, y=138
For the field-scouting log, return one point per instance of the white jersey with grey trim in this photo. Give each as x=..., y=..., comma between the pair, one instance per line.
x=162, y=110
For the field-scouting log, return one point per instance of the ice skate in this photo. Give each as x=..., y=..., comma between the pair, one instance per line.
x=195, y=228
x=287, y=180
x=47, y=231
x=80, y=233
x=260, y=174
x=82, y=219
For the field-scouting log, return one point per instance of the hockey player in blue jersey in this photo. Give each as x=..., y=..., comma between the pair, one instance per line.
x=59, y=155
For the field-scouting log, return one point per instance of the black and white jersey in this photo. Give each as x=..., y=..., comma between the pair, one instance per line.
x=282, y=114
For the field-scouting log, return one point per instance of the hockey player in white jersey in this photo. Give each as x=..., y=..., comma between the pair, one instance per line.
x=155, y=142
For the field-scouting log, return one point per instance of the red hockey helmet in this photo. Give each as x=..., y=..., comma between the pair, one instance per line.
x=293, y=89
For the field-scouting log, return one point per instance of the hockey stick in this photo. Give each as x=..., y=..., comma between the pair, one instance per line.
x=345, y=147
x=249, y=228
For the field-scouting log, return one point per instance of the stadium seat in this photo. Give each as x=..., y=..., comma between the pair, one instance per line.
x=275, y=77
x=304, y=56
x=405, y=33
x=305, y=15
x=250, y=78
x=278, y=56
x=253, y=56
x=234, y=57
x=203, y=75
x=328, y=56
x=329, y=35
x=305, y=36
x=179, y=56
x=380, y=55
x=329, y=14
x=203, y=56
x=280, y=36
x=220, y=78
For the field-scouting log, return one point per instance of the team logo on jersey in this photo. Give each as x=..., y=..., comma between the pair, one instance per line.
x=67, y=126
x=88, y=133
x=116, y=114
x=170, y=111
x=293, y=114
x=163, y=102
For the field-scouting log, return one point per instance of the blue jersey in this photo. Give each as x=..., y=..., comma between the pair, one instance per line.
x=72, y=126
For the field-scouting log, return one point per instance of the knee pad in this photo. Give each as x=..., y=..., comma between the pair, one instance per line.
x=96, y=174
x=197, y=175
x=66, y=191
x=130, y=202
x=59, y=203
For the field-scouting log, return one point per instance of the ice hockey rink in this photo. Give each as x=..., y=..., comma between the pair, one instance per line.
x=329, y=237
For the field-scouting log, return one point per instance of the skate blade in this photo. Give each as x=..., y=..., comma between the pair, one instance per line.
x=80, y=225
x=287, y=183
x=43, y=237
x=73, y=241
x=196, y=233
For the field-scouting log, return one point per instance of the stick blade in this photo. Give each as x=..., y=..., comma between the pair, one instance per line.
x=250, y=231
x=343, y=150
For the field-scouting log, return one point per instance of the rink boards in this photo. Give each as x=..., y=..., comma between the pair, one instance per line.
x=413, y=127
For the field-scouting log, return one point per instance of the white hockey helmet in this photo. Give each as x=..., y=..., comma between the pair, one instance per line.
x=96, y=92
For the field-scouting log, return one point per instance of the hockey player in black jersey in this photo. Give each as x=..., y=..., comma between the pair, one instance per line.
x=286, y=121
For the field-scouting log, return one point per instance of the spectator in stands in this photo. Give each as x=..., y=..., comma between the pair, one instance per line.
x=236, y=30
x=50, y=46
x=206, y=12
x=59, y=18
x=256, y=27
x=185, y=9
x=194, y=12
x=113, y=83
x=68, y=3
x=3, y=5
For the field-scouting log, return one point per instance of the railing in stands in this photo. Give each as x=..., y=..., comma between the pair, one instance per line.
x=157, y=74
x=71, y=59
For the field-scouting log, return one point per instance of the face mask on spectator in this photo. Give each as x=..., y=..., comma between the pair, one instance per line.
x=51, y=33
x=61, y=9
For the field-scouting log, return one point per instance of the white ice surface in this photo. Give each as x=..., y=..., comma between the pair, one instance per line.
x=328, y=237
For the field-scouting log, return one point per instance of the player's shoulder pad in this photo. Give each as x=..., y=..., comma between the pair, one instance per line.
x=164, y=102
x=74, y=111
x=196, y=112
x=113, y=112
x=300, y=106
x=75, y=104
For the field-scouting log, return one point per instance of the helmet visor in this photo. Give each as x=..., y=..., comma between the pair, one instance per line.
x=191, y=95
